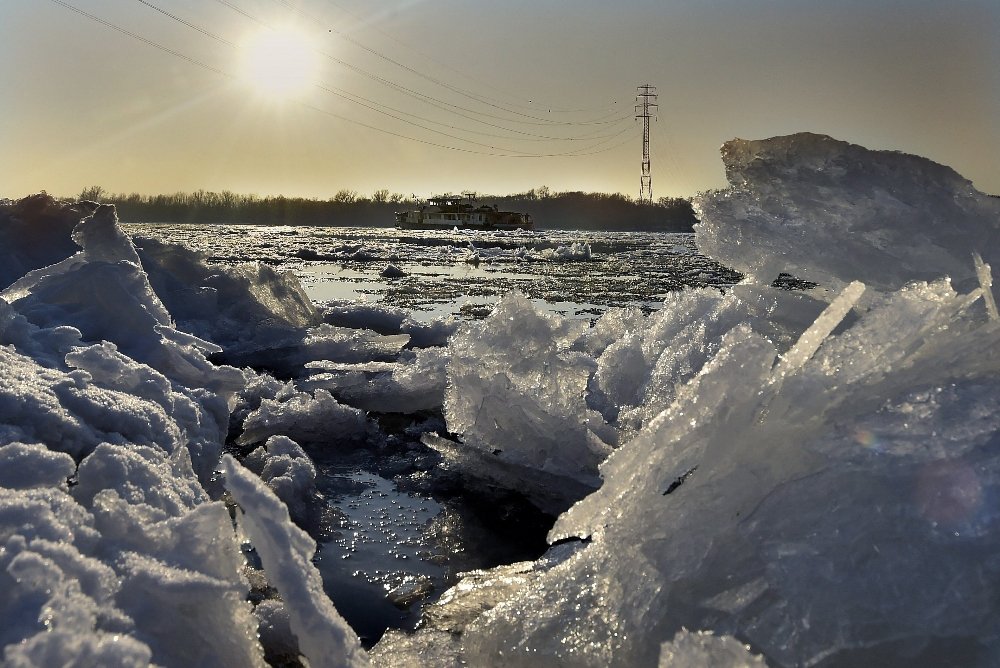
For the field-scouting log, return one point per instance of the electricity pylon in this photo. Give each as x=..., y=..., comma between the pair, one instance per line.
x=645, y=100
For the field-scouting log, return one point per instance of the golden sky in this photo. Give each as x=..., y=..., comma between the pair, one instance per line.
x=425, y=96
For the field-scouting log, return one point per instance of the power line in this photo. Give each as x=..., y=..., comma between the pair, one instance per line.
x=584, y=151
x=198, y=28
x=149, y=42
x=444, y=84
x=465, y=74
x=476, y=117
x=397, y=114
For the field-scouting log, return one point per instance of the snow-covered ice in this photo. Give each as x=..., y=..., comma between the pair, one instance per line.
x=112, y=551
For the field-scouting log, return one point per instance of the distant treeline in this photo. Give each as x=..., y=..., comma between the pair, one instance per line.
x=566, y=210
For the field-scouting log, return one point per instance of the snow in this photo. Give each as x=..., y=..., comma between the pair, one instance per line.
x=28, y=465
x=743, y=476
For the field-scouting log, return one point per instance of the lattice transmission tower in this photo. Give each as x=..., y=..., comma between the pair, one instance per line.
x=646, y=101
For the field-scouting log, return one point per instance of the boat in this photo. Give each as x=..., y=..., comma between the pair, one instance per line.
x=452, y=211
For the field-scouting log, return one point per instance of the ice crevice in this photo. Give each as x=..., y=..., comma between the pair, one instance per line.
x=285, y=550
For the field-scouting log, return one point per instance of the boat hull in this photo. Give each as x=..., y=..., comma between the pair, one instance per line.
x=504, y=227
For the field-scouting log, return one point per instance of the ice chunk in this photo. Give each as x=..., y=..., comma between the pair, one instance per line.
x=285, y=551
x=694, y=650
x=126, y=310
x=831, y=212
x=67, y=413
x=189, y=618
x=48, y=514
x=429, y=334
x=75, y=586
x=202, y=414
x=363, y=315
x=323, y=343
x=54, y=597
x=438, y=640
x=239, y=307
x=397, y=649
x=46, y=346
x=287, y=471
x=985, y=277
x=102, y=294
x=102, y=240
x=112, y=398
x=276, y=632
x=516, y=390
x=485, y=472
x=122, y=559
x=140, y=475
x=610, y=327
x=340, y=344
x=577, y=251
x=517, y=378
x=638, y=375
x=837, y=517
x=392, y=271
x=813, y=337
x=316, y=419
x=416, y=383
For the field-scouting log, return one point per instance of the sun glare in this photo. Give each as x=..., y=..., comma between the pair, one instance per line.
x=279, y=63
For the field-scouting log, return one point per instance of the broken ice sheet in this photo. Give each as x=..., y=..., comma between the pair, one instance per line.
x=892, y=218
x=793, y=523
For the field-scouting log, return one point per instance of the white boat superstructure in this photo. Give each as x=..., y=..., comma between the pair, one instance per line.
x=449, y=211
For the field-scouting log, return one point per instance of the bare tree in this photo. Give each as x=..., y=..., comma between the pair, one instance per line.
x=346, y=196
x=93, y=193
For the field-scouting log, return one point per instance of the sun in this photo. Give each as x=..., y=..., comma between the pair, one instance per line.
x=281, y=63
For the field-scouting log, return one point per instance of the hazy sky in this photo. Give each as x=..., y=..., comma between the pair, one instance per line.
x=396, y=81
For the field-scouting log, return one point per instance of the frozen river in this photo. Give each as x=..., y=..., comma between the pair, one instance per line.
x=462, y=273
x=387, y=545
x=736, y=476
